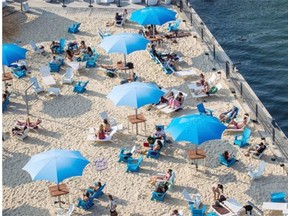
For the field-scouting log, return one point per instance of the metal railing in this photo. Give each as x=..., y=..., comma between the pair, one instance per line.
x=222, y=61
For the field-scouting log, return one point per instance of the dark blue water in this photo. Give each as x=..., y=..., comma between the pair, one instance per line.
x=254, y=33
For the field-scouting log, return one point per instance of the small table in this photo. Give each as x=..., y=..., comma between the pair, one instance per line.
x=122, y=67
x=198, y=154
x=133, y=119
x=58, y=191
x=54, y=91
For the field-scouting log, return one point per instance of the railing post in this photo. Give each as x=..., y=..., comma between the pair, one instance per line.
x=191, y=18
x=214, y=51
x=227, y=69
x=256, y=112
x=202, y=33
x=241, y=89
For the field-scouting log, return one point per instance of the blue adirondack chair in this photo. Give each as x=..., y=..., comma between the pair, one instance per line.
x=74, y=28
x=80, y=87
x=158, y=196
x=223, y=161
x=133, y=164
x=19, y=74
x=233, y=114
x=278, y=197
x=5, y=104
x=85, y=204
x=203, y=111
x=242, y=140
x=60, y=49
x=92, y=62
x=168, y=69
x=198, y=212
x=123, y=157
x=99, y=192
x=174, y=26
x=54, y=67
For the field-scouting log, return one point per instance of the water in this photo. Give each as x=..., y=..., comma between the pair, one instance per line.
x=254, y=33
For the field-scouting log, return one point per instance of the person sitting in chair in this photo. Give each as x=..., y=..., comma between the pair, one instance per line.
x=205, y=89
x=166, y=99
x=238, y=125
x=165, y=177
x=107, y=126
x=55, y=60
x=69, y=55
x=231, y=114
x=257, y=150
x=201, y=82
x=54, y=46
x=159, y=134
x=125, y=14
x=161, y=188
x=227, y=156
x=156, y=147
x=177, y=102
x=118, y=18
x=94, y=188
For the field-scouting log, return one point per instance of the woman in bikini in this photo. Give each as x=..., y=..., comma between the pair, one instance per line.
x=238, y=125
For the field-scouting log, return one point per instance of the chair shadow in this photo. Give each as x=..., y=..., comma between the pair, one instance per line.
x=25, y=208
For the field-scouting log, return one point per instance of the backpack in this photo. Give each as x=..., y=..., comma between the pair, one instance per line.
x=213, y=90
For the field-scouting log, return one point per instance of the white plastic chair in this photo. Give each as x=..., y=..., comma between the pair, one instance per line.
x=258, y=172
x=68, y=213
x=195, y=200
x=92, y=137
x=68, y=76
x=46, y=75
x=37, y=88
x=112, y=121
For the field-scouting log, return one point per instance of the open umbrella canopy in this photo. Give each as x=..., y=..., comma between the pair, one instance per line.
x=56, y=165
x=195, y=128
x=135, y=94
x=12, y=53
x=153, y=16
x=125, y=43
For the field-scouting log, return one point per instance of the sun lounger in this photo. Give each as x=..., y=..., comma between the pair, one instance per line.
x=68, y=76
x=103, y=34
x=233, y=205
x=195, y=87
x=185, y=73
x=92, y=137
x=168, y=110
x=201, y=95
x=222, y=211
x=258, y=172
x=46, y=75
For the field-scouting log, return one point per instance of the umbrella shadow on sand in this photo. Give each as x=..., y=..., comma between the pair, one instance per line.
x=67, y=107
x=12, y=173
x=25, y=208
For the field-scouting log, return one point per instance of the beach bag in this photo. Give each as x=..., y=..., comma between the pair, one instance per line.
x=213, y=90
x=222, y=198
x=151, y=140
x=110, y=74
x=130, y=65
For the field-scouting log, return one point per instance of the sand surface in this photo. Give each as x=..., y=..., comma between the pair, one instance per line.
x=67, y=118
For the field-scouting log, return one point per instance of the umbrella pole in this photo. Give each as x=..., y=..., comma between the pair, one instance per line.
x=124, y=60
x=153, y=30
x=136, y=123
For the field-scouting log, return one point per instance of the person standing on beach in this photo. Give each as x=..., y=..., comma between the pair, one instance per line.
x=112, y=206
x=216, y=190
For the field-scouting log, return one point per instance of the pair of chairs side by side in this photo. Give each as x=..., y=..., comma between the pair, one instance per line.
x=91, y=62
x=88, y=204
x=133, y=164
x=161, y=196
x=120, y=24
x=74, y=28
x=165, y=107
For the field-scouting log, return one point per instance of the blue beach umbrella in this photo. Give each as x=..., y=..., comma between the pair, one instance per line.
x=125, y=43
x=136, y=95
x=153, y=16
x=195, y=128
x=12, y=53
x=56, y=165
